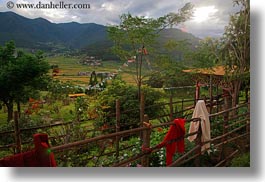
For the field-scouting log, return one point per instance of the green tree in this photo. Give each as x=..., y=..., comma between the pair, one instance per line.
x=127, y=94
x=206, y=53
x=93, y=79
x=168, y=73
x=20, y=75
x=232, y=50
x=235, y=52
x=135, y=35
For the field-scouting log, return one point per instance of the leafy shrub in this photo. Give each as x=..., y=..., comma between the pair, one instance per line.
x=241, y=161
x=155, y=80
x=128, y=96
x=59, y=90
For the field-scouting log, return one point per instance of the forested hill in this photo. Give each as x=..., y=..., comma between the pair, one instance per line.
x=40, y=33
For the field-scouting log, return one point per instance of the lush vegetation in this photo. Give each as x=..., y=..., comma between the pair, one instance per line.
x=41, y=86
x=21, y=76
x=241, y=161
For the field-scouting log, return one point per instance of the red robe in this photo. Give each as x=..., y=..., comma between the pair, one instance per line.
x=175, y=131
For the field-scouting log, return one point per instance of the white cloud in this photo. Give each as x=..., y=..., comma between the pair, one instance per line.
x=204, y=14
x=108, y=11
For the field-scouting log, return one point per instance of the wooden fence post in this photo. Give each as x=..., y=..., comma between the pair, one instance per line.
x=217, y=99
x=248, y=123
x=198, y=142
x=217, y=104
x=118, y=118
x=211, y=94
x=248, y=136
x=141, y=113
x=146, y=142
x=171, y=107
x=142, y=109
x=17, y=133
x=182, y=107
x=225, y=123
x=197, y=92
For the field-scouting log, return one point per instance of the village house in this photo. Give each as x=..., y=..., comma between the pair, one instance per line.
x=91, y=61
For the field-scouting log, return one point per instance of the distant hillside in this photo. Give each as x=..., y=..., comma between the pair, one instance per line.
x=91, y=38
x=102, y=48
x=34, y=33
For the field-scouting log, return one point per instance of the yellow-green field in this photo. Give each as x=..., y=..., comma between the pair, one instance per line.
x=68, y=71
x=69, y=68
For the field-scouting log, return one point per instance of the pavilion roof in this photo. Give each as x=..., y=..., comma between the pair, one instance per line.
x=218, y=71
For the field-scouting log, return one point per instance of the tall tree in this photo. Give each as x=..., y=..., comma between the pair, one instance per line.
x=20, y=75
x=206, y=54
x=235, y=51
x=135, y=35
x=232, y=50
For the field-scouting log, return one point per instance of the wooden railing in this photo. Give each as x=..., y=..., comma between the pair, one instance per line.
x=188, y=156
x=144, y=133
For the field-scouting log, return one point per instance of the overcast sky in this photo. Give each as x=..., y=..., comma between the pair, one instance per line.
x=210, y=17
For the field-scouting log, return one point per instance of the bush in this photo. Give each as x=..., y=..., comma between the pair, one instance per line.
x=241, y=161
x=128, y=96
x=156, y=80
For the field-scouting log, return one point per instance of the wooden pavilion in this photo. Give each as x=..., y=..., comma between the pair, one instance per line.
x=211, y=77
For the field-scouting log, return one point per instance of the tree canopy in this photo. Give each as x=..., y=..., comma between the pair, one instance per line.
x=232, y=50
x=236, y=39
x=135, y=37
x=235, y=49
x=20, y=75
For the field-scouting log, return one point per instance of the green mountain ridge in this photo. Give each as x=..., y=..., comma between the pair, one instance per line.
x=42, y=34
x=29, y=32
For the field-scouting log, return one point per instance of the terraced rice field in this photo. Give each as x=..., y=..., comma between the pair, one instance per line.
x=70, y=66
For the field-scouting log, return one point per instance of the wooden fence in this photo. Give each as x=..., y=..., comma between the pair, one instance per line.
x=171, y=109
x=219, y=141
x=229, y=125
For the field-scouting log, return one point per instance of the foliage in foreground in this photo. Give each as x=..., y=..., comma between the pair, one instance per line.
x=241, y=161
x=21, y=76
x=128, y=97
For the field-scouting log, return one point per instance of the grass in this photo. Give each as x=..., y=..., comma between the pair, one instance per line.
x=3, y=117
x=69, y=68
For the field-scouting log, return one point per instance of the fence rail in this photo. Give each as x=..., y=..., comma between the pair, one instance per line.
x=185, y=158
x=144, y=133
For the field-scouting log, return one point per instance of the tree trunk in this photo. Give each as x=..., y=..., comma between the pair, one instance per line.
x=9, y=106
x=235, y=95
x=18, y=108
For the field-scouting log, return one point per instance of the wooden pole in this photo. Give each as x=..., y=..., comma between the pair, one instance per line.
x=225, y=123
x=171, y=107
x=118, y=118
x=182, y=107
x=146, y=142
x=197, y=92
x=142, y=109
x=211, y=93
x=198, y=143
x=17, y=133
x=217, y=99
x=141, y=113
x=248, y=122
